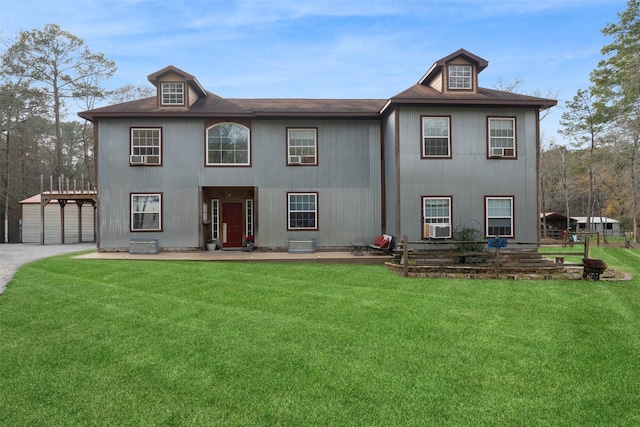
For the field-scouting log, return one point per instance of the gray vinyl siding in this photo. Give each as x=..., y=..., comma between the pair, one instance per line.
x=347, y=180
x=390, y=178
x=468, y=176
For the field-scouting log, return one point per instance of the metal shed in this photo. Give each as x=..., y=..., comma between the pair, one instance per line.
x=77, y=221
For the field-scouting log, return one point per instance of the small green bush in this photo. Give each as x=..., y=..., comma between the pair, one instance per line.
x=468, y=234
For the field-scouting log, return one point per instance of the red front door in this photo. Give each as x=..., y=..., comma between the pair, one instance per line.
x=232, y=217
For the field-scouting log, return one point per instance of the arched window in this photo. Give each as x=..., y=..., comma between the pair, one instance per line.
x=228, y=144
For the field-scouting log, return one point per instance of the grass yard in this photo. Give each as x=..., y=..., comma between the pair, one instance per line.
x=136, y=343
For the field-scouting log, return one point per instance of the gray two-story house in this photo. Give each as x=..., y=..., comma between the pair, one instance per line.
x=186, y=165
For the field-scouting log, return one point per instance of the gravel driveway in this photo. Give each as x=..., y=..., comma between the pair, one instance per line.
x=12, y=256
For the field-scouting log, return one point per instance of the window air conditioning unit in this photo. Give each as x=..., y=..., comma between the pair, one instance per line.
x=295, y=159
x=437, y=231
x=137, y=160
x=497, y=152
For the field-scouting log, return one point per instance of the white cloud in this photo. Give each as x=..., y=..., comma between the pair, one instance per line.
x=330, y=48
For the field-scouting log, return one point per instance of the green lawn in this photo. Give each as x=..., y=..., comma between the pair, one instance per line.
x=117, y=343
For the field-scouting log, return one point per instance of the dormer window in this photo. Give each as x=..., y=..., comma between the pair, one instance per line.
x=175, y=88
x=460, y=77
x=172, y=93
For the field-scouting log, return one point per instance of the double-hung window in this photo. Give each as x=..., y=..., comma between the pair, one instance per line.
x=460, y=77
x=436, y=217
x=146, y=212
x=436, y=136
x=502, y=137
x=146, y=146
x=499, y=216
x=228, y=144
x=172, y=93
x=302, y=146
x=302, y=211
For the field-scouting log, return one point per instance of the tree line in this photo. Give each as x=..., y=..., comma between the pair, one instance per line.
x=46, y=71
x=596, y=174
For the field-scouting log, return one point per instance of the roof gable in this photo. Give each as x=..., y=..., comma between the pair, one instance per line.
x=465, y=55
x=175, y=72
x=189, y=89
x=436, y=76
x=432, y=88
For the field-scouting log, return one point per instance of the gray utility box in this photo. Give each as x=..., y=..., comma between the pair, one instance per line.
x=305, y=246
x=144, y=246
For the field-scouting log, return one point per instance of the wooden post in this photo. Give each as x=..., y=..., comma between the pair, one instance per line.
x=586, y=247
x=79, y=203
x=42, y=205
x=405, y=255
x=497, y=255
x=62, y=204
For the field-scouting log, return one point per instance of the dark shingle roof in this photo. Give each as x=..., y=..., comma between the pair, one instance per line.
x=312, y=107
x=425, y=95
x=215, y=106
x=212, y=105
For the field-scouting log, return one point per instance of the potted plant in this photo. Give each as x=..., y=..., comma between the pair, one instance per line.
x=211, y=244
x=248, y=244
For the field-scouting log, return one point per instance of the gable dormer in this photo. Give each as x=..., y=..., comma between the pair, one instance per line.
x=175, y=88
x=457, y=72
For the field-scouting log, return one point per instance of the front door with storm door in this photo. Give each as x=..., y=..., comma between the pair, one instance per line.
x=232, y=225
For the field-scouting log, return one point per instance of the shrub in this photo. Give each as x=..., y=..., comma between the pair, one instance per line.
x=465, y=234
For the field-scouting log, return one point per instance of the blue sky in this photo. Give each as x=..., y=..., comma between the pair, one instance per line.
x=334, y=48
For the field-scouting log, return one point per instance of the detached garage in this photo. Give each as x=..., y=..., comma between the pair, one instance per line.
x=78, y=218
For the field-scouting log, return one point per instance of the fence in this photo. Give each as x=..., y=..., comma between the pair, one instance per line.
x=491, y=256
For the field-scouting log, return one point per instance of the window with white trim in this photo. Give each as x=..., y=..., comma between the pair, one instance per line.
x=436, y=211
x=146, y=146
x=302, y=145
x=146, y=212
x=172, y=93
x=215, y=219
x=302, y=211
x=436, y=139
x=502, y=136
x=499, y=216
x=460, y=77
x=228, y=144
x=249, y=216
